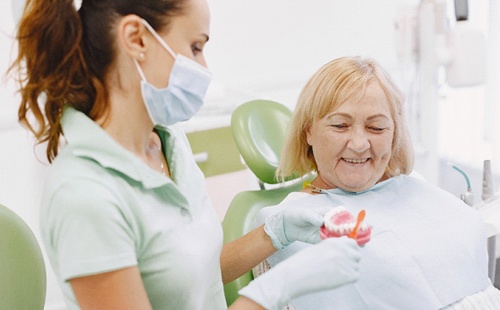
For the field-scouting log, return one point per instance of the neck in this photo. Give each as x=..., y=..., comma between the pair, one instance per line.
x=128, y=121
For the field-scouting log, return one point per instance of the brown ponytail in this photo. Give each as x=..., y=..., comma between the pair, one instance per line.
x=52, y=71
x=65, y=54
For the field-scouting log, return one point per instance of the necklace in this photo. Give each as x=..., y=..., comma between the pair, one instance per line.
x=157, y=154
x=162, y=166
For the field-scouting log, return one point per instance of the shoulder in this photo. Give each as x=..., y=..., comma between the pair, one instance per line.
x=409, y=187
x=408, y=183
x=441, y=200
x=78, y=197
x=76, y=175
x=295, y=196
x=78, y=186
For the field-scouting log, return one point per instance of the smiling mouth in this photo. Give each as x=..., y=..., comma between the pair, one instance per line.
x=355, y=161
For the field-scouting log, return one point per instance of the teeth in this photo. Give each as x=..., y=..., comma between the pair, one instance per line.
x=355, y=161
x=342, y=228
x=346, y=228
x=331, y=214
x=334, y=211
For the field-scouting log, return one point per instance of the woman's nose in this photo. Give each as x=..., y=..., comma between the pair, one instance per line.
x=358, y=141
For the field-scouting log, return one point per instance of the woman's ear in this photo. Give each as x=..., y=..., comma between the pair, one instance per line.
x=131, y=36
x=308, y=135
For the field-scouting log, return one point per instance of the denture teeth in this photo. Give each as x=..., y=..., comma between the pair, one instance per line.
x=334, y=211
x=330, y=226
x=331, y=213
x=343, y=228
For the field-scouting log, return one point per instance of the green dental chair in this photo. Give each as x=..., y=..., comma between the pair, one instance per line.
x=22, y=267
x=259, y=128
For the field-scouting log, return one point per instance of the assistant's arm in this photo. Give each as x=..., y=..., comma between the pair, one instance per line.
x=241, y=255
x=244, y=303
x=121, y=289
x=281, y=228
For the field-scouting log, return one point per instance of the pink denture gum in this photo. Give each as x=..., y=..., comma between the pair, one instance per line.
x=340, y=222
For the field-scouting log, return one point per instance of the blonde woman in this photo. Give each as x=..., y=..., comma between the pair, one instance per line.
x=427, y=248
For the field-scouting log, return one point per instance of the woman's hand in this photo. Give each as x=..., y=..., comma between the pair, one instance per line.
x=327, y=265
x=294, y=224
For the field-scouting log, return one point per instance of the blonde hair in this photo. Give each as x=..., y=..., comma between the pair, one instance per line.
x=333, y=84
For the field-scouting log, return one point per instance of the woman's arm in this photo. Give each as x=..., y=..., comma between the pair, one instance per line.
x=284, y=226
x=244, y=303
x=121, y=289
x=241, y=255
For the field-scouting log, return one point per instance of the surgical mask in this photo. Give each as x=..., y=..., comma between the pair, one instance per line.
x=183, y=97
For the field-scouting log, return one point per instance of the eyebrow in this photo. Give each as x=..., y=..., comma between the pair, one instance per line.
x=378, y=116
x=345, y=115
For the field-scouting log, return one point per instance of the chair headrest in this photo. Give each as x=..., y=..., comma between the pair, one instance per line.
x=259, y=128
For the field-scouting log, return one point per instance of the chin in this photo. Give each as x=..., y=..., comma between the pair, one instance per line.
x=362, y=184
x=356, y=187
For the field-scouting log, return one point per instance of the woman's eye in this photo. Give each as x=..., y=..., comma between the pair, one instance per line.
x=376, y=129
x=339, y=126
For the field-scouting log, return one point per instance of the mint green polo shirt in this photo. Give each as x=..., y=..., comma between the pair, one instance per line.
x=103, y=209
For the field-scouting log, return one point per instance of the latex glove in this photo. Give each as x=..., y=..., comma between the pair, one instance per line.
x=326, y=265
x=294, y=224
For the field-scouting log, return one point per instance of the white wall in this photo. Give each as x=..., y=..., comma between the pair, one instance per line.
x=272, y=47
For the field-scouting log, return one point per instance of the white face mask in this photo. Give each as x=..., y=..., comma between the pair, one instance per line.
x=183, y=97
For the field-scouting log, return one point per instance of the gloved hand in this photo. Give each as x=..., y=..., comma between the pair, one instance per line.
x=326, y=265
x=294, y=224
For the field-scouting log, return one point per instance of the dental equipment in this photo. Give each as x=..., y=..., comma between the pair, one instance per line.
x=461, y=10
x=467, y=197
x=488, y=198
x=488, y=209
x=487, y=181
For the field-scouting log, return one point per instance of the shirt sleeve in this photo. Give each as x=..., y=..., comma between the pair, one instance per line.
x=88, y=231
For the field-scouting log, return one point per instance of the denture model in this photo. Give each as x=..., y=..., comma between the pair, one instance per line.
x=340, y=222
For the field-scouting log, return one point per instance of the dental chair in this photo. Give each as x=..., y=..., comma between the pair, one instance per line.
x=259, y=128
x=22, y=267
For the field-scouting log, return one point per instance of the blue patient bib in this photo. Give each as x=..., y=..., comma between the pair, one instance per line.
x=427, y=248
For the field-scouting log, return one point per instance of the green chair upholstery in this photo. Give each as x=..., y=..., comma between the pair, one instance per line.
x=22, y=267
x=259, y=128
x=238, y=221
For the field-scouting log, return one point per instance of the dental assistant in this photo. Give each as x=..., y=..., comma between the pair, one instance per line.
x=125, y=219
